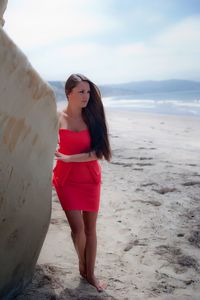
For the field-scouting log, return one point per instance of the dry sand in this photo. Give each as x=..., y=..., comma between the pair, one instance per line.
x=148, y=225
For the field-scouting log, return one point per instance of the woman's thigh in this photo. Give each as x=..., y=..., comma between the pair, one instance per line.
x=75, y=219
x=90, y=219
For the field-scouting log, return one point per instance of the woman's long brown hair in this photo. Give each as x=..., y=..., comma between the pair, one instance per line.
x=94, y=116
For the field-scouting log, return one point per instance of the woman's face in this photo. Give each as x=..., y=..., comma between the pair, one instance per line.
x=80, y=94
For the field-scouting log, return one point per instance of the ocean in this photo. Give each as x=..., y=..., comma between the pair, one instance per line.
x=170, y=107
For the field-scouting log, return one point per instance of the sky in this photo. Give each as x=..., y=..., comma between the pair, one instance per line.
x=109, y=41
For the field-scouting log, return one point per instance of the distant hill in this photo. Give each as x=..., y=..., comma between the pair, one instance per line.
x=58, y=87
x=165, y=89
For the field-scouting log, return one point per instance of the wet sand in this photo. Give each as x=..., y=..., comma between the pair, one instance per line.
x=148, y=225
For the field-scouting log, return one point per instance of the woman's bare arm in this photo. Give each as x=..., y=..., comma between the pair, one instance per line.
x=81, y=157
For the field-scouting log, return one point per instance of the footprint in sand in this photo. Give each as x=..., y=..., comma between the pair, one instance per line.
x=180, y=235
x=165, y=190
x=133, y=243
x=152, y=202
x=145, y=148
x=58, y=221
x=162, y=287
x=144, y=164
x=194, y=238
x=149, y=184
x=176, y=258
x=191, y=183
x=121, y=164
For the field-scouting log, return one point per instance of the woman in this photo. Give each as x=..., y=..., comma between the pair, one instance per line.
x=83, y=139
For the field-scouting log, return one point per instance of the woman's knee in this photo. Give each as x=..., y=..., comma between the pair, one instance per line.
x=90, y=223
x=76, y=223
x=77, y=230
x=90, y=231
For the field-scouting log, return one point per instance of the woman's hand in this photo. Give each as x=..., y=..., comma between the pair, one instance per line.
x=81, y=157
x=62, y=157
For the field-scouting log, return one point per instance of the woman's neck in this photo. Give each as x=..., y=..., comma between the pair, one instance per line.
x=73, y=113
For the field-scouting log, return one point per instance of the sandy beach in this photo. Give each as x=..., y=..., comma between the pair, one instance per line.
x=148, y=225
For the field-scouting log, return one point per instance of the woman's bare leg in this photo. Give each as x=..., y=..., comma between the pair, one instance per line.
x=76, y=223
x=91, y=248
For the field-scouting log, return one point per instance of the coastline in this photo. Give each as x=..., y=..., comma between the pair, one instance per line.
x=151, y=106
x=148, y=225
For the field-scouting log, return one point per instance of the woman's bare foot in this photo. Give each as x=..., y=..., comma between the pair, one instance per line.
x=100, y=286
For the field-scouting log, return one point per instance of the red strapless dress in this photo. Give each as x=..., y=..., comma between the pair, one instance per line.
x=77, y=183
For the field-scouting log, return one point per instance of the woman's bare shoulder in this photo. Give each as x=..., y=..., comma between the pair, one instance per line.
x=61, y=114
x=61, y=118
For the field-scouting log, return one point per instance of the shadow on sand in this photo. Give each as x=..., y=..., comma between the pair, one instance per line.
x=49, y=283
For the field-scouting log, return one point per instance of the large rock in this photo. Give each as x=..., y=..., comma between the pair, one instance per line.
x=3, y=5
x=28, y=136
